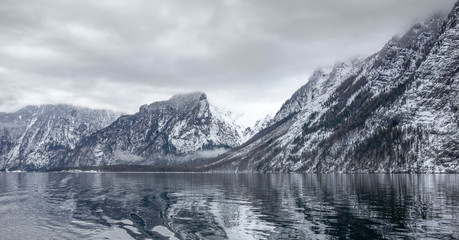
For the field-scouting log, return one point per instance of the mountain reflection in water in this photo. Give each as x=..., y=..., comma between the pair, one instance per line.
x=222, y=206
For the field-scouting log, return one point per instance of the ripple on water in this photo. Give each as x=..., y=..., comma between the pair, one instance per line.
x=234, y=206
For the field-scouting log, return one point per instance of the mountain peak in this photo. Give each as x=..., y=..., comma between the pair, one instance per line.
x=184, y=100
x=429, y=28
x=453, y=16
x=182, y=128
x=180, y=102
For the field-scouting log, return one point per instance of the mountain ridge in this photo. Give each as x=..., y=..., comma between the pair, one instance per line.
x=362, y=119
x=167, y=132
x=37, y=137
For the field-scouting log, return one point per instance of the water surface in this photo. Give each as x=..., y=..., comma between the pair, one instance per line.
x=222, y=206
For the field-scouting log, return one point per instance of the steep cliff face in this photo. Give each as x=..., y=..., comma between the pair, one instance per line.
x=181, y=128
x=35, y=138
x=395, y=111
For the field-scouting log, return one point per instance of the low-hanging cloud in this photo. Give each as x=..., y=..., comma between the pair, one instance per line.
x=249, y=56
x=123, y=156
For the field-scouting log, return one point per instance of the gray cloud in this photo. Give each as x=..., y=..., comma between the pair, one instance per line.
x=249, y=56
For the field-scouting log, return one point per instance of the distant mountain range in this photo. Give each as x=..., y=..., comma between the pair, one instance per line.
x=395, y=111
x=183, y=128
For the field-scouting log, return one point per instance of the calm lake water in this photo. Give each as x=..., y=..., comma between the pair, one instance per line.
x=222, y=206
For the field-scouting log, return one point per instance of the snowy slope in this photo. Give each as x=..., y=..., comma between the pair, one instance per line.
x=181, y=128
x=37, y=137
x=395, y=111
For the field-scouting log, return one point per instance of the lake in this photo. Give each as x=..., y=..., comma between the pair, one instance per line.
x=228, y=206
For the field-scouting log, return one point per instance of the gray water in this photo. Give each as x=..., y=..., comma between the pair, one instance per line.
x=221, y=206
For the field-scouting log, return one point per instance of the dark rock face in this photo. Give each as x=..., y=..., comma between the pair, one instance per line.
x=35, y=138
x=395, y=111
x=181, y=128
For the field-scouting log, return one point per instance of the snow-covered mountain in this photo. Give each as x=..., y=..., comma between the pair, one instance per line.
x=248, y=132
x=395, y=111
x=37, y=137
x=181, y=128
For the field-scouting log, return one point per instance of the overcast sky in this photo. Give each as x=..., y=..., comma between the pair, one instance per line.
x=248, y=56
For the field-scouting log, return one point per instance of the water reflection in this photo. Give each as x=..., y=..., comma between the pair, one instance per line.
x=221, y=206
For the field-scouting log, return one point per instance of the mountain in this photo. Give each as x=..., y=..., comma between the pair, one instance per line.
x=182, y=128
x=259, y=125
x=37, y=137
x=395, y=111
